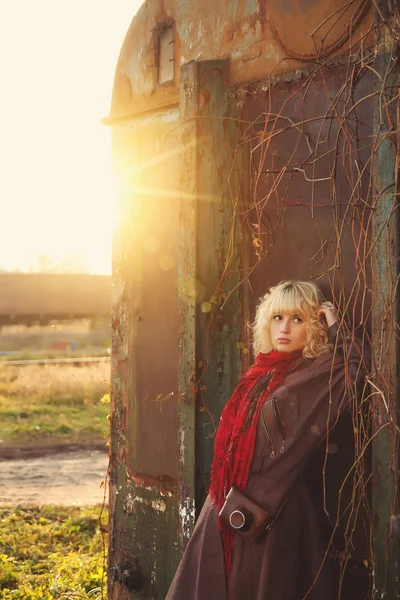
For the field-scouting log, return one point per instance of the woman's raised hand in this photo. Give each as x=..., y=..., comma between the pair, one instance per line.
x=329, y=312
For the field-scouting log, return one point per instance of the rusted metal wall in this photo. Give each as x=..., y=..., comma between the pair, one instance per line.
x=184, y=177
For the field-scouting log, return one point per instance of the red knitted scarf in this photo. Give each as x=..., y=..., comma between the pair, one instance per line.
x=236, y=435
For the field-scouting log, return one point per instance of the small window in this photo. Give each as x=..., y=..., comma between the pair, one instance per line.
x=166, y=54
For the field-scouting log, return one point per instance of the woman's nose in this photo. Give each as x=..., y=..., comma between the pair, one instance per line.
x=285, y=325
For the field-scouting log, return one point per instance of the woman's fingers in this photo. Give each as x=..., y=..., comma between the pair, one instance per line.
x=329, y=311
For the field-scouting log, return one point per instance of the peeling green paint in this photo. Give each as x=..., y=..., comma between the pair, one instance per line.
x=147, y=519
x=386, y=231
x=216, y=226
x=187, y=300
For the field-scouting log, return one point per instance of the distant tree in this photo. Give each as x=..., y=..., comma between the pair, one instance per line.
x=42, y=264
x=73, y=263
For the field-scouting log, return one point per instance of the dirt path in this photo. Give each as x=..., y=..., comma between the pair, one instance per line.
x=65, y=478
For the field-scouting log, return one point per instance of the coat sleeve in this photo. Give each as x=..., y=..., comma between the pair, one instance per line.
x=308, y=409
x=353, y=350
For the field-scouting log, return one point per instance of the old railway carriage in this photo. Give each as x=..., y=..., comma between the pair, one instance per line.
x=254, y=140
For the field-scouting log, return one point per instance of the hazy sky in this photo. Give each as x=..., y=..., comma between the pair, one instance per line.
x=57, y=62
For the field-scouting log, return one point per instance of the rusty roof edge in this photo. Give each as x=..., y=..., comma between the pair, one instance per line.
x=259, y=84
x=140, y=37
x=111, y=119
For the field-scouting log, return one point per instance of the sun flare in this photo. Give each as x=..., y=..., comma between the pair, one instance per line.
x=57, y=188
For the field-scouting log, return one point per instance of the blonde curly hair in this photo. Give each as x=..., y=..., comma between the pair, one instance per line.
x=291, y=297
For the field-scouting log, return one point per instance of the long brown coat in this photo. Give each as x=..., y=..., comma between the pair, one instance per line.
x=289, y=560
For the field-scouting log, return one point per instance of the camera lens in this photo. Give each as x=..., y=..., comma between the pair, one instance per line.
x=241, y=519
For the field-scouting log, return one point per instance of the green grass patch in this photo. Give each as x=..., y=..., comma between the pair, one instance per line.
x=49, y=553
x=54, y=402
x=32, y=419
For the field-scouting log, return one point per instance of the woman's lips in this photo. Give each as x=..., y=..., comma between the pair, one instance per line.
x=283, y=341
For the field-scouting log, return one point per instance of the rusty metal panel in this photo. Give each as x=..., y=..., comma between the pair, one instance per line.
x=153, y=312
x=321, y=26
x=144, y=466
x=304, y=221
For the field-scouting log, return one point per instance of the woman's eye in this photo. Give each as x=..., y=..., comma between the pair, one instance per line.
x=298, y=320
x=277, y=317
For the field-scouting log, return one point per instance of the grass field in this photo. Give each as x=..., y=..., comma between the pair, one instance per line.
x=52, y=553
x=42, y=404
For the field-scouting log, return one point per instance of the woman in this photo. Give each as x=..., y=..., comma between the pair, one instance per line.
x=282, y=410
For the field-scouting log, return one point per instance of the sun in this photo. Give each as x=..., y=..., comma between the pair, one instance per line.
x=55, y=155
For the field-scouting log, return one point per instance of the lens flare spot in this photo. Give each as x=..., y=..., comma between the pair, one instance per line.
x=206, y=307
x=332, y=448
x=151, y=244
x=166, y=262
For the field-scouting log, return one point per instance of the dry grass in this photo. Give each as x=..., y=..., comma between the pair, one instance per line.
x=89, y=381
x=54, y=402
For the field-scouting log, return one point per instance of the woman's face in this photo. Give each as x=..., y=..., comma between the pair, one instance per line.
x=288, y=332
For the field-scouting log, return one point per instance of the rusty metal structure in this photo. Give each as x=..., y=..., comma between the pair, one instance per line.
x=245, y=131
